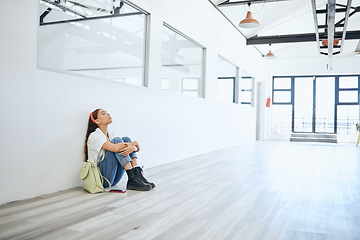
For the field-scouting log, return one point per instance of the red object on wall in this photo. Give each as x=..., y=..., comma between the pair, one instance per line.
x=268, y=100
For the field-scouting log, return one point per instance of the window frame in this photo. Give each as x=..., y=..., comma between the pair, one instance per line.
x=291, y=90
x=337, y=90
x=189, y=90
x=201, y=90
x=346, y=89
x=145, y=59
x=234, y=87
x=247, y=90
x=235, y=94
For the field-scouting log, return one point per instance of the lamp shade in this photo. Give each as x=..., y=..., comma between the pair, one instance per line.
x=249, y=21
x=325, y=42
x=270, y=55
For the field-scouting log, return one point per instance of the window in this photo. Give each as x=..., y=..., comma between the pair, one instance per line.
x=348, y=90
x=315, y=104
x=281, y=90
x=348, y=96
x=348, y=82
x=281, y=118
x=105, y=42
x=348, y=104
x=165, y=83
x=190, y=86
x=182, y=63
x=281, y=113
x=227, y=81
x=347, y=117
x=246, y=90
x=324, y=104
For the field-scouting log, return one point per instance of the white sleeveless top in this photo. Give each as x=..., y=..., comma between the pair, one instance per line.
x=95, y=142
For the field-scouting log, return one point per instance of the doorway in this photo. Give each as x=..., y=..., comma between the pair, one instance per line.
x=314, y=105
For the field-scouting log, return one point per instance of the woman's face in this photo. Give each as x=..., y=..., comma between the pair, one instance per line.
x=103, y=117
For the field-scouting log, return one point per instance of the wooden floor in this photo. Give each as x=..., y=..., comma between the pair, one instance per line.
x=262, y=190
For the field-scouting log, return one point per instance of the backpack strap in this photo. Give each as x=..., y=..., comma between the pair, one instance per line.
x=101, y=176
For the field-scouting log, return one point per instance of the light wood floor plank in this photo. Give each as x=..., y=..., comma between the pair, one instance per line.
x=262, y=190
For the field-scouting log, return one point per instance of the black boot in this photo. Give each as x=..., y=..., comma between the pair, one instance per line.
x=139, y=172
x=134, y=182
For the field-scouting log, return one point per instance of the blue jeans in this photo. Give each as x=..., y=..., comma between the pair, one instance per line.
x=112, y=167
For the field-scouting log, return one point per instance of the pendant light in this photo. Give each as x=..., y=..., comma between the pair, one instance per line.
x=249, y=21
x=270, y=55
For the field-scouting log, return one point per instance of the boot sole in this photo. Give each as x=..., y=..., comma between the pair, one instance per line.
x=130, y=187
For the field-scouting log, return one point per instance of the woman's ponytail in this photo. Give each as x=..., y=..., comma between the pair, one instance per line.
x=91, y=128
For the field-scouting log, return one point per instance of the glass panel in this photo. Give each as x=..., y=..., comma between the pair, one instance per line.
x=245, y=97
x=348, y=96
x=246, y=83
x=246, y=90
x=282, y=96
x=225, y=68
x=347, y=117
x=80, y=9
x=348, y=82
x=325, y=102
x=181, y=58
x=122, y=80
x=133, y=80
x=108, y=48
x=190, y=84
x=165, y=84
x=225, y=89
x=226, y=77
x=281, y=118
x=190, y=93
x=303, y=104
x=282, y=83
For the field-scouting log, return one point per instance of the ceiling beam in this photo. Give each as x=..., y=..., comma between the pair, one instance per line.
x=228, y=3
x=63, y=8
x=294, y=38
x=331, y=31
x=336, y=25
x=357, y=49
x=345, y=24
x=324, y=11
x=317, y=37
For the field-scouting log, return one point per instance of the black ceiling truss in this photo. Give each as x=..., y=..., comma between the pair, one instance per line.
x=227, y=3
x=294, y=38
x=43, y=15
x=306, y=37
x=63, y=8
x=322, y=32
x=57, y=3
x=88, y=7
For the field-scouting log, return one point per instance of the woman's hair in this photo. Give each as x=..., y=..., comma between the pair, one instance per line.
x=91, y=128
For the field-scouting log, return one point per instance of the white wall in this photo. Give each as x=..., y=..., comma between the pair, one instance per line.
x=44, y=114
x=302, y=66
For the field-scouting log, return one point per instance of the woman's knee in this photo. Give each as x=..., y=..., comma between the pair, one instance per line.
x=117, y=140
x=126, y=139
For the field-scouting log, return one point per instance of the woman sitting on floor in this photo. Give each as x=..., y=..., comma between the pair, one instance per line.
x=120, y=153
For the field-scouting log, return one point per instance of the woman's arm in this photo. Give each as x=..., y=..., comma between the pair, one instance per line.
x=123, y=148
x=135, y=144
x=114, y=147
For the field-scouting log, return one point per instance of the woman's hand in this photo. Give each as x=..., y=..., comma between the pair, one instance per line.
x=136, y=144
x=127, y=150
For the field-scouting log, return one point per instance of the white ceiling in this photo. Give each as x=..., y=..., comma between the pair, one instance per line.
x=290, y=17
